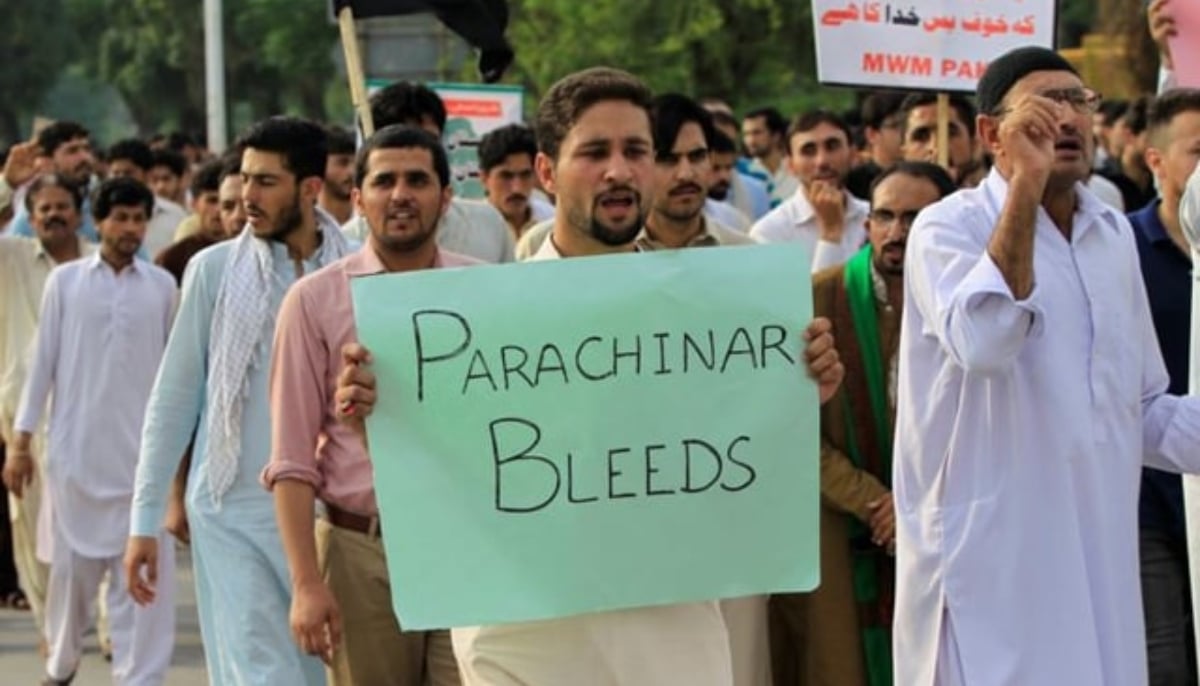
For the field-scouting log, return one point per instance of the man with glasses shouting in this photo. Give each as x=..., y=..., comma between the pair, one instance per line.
x=1031, y=391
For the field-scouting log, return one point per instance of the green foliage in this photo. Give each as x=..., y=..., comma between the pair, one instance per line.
x=33, y=51
x=749, y=52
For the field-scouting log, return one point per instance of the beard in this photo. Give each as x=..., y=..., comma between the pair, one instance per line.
x=289, y=220
x=719, y=191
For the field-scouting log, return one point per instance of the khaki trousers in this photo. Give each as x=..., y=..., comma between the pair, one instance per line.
x=374, y=651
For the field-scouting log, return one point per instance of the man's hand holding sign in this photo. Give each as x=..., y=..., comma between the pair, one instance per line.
x=623, y=446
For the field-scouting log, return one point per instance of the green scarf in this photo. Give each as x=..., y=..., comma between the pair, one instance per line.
x=861, y=296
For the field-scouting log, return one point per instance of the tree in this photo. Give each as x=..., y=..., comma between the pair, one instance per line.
x=277, y=57
x=33, y=52
x=746, y=51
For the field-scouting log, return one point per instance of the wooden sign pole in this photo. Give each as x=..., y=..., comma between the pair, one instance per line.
x=354, y=71
x=943, y=130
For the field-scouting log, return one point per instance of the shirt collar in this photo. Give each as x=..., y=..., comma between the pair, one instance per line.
x=1089, y=209
x=96, y=261
x=703, y=239
x=365, y=261
x=1150, y=225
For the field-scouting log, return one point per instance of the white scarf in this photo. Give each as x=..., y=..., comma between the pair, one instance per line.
x=243, y=326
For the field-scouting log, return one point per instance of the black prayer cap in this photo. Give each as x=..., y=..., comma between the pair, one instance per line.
x=1011, y=67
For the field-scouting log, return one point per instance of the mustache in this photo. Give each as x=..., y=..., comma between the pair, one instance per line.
x=517, y=197
x=616, y=192
x=686, y=188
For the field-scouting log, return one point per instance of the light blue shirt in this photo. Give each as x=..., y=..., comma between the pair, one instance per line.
x=179, y=402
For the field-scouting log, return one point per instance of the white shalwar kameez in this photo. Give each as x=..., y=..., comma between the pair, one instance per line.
x=1021, y=430
x=100, y=338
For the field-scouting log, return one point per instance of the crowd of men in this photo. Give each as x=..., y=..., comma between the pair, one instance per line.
x=1000, y=343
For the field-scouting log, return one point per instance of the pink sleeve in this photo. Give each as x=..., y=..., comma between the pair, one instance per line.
x=297, y=391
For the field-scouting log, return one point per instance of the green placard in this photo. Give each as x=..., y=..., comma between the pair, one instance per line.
x=568, y=436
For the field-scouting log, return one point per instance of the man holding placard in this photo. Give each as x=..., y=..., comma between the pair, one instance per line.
x=341, y=604
x=596, y=147
x=1031, y=392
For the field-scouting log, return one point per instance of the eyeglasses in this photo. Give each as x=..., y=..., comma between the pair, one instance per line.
x=1082, y=100
x=888, y=218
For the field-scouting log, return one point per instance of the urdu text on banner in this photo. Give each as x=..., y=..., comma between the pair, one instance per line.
x=942, y=45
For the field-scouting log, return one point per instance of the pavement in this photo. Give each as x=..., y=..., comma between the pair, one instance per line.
x=21, y=665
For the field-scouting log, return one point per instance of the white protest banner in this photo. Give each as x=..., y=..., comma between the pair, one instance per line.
x=942, y=45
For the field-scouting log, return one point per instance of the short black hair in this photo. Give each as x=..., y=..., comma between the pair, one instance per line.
x=340, y=140
x=301, y=142
x=669, y=112
x=58, y=133
x=231, y=163
x=1136, y=116
x=807, y=121
x=958, y=101
x=171, y=159
x=775, y=121
x=721, y=143
x=1112, y=110
x=53, y=181
x=498, y=144
x=121, y=191
x=929, y=171
x=1166, y=107
x=880, y=106
x=207, y=179
x=180, y=141
x=405, y=102
x=399, y=136
x=133, y=149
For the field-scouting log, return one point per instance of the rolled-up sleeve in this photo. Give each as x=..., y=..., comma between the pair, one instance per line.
x=297, y=392
x=964, y=298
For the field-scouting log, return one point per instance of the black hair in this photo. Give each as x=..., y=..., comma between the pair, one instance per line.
x=721, y=143
x=929, y=171
x=775, y=121
x=340, y=140
x=207, y=179
x=171, y=159
x=58, y=133
x=133, y=149
x=397, y=136
x=669, y=112
x=122, y=191
x=53, y=181
x=405, y=102
x=497, y=145
x=807, y=121
x=301, y=142
x=880, y=106
x=960, y=103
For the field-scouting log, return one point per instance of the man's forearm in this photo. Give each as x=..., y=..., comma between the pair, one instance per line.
x=1011, y=244
x=294, y=512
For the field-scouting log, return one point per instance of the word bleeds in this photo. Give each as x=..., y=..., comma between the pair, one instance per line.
x=527, y=481
x=443, y=337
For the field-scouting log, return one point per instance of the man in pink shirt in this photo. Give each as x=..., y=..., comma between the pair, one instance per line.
x=341, y=598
